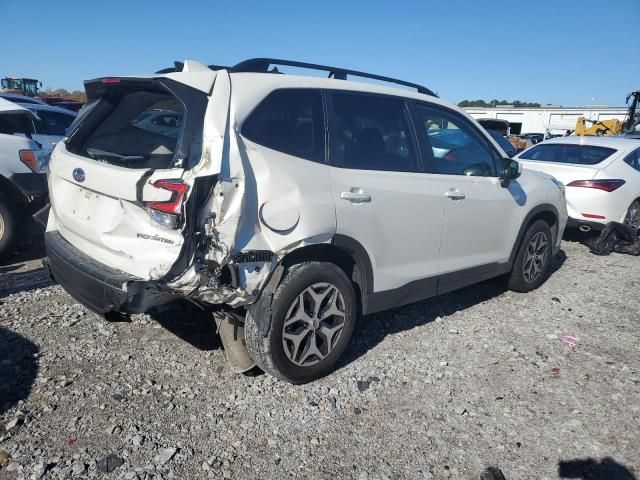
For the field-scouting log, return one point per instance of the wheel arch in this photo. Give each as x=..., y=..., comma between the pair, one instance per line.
x=345, y=252
x=10, y=192
x=546, y=212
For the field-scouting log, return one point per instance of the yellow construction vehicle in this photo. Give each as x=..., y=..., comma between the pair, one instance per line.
x=612, y=126
x=598, y=127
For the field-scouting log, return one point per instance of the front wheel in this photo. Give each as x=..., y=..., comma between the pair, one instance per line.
x=532, y=261
x=313, y=313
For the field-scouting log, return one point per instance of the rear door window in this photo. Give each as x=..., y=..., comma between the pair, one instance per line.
x=289, y=121
x=455, y=145
x=567, y=153
x=370, y=132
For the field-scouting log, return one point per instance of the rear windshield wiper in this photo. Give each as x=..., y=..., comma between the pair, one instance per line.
x=98, y=154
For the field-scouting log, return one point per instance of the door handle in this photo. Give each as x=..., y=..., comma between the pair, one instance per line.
x=357, y=196
x=455, y=195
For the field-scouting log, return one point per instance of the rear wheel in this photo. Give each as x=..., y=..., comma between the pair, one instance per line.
x=313, y=314
x=632, y=218
x=533, y=258
x=8, y=228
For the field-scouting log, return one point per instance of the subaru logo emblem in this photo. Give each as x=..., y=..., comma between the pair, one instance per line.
x=78, y=175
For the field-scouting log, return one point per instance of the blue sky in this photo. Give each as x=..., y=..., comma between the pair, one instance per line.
x=549, y=51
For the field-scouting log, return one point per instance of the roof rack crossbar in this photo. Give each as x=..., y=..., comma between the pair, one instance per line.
x=262, y=65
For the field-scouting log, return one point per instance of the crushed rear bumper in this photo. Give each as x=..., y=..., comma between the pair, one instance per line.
x=97, y=286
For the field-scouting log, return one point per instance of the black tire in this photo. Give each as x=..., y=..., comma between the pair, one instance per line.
x=632, y=217
x=8, y=228
x=269, y=352
x=519, y=279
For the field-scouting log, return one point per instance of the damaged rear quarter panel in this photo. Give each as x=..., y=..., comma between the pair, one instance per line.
x=251, y=175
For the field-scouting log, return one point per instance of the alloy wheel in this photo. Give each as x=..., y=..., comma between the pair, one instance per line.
x=535, y=257
x=313, y=324
x=2, y=227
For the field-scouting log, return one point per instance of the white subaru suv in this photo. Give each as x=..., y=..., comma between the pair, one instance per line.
x=294, y=202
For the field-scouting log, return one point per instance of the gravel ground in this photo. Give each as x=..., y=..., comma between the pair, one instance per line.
x=468, y=385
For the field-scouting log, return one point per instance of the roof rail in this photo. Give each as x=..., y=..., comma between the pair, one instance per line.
x=262, y=65
x=178, y=66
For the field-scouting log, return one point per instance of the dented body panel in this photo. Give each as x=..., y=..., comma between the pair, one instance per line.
x=110, y=224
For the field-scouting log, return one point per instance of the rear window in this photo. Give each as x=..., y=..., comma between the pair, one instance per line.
x=140, y=125
x=567, y=153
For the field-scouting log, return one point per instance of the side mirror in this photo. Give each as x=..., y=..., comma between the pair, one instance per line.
x=511, y=170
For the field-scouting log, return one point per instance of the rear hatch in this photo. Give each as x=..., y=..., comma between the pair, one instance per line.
x=117, y=183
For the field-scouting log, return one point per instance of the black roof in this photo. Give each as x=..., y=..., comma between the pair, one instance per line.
x=263, y=64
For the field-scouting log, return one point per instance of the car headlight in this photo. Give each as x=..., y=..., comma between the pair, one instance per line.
x=559, y=184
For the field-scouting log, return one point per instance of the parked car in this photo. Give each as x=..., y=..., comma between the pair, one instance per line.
x=250, y=207
x=534, y=137
x=601, y=177
x=51, y=123
x=505, y=144
x=23, y=163
x=60, y=102
x=16, y=98
x=497, y=125
x=164, y=122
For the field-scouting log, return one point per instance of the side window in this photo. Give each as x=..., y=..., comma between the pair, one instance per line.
x=371, y=133
x=290, y=121
x=53, y=123
x=633, y=159
x=456, y=147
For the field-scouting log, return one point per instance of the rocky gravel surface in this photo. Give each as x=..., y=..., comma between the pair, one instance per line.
x=481, y=383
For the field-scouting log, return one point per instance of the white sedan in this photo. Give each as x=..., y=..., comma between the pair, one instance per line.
x=601, y=177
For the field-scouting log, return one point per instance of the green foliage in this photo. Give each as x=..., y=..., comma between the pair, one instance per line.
x=495, y=102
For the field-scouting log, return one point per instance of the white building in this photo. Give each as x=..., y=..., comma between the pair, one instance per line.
x=554, y=118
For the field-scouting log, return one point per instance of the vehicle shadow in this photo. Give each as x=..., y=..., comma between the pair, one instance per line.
x=30, y=246
x=18, y=368
x=372, y=329
x=189, y=323
x=592, y=469
x=13, y=282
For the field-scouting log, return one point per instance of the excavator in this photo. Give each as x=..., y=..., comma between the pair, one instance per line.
x=613, y=126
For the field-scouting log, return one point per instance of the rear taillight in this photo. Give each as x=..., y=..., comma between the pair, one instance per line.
x=168, y=212
x=36, y=160
x=606, y=185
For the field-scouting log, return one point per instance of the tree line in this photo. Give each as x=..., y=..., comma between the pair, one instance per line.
x=495, y=102
x=78, y=95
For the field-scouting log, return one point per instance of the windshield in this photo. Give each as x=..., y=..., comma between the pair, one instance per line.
x=567, y=153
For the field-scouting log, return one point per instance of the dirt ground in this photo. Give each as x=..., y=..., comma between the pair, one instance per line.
x=542, y=385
